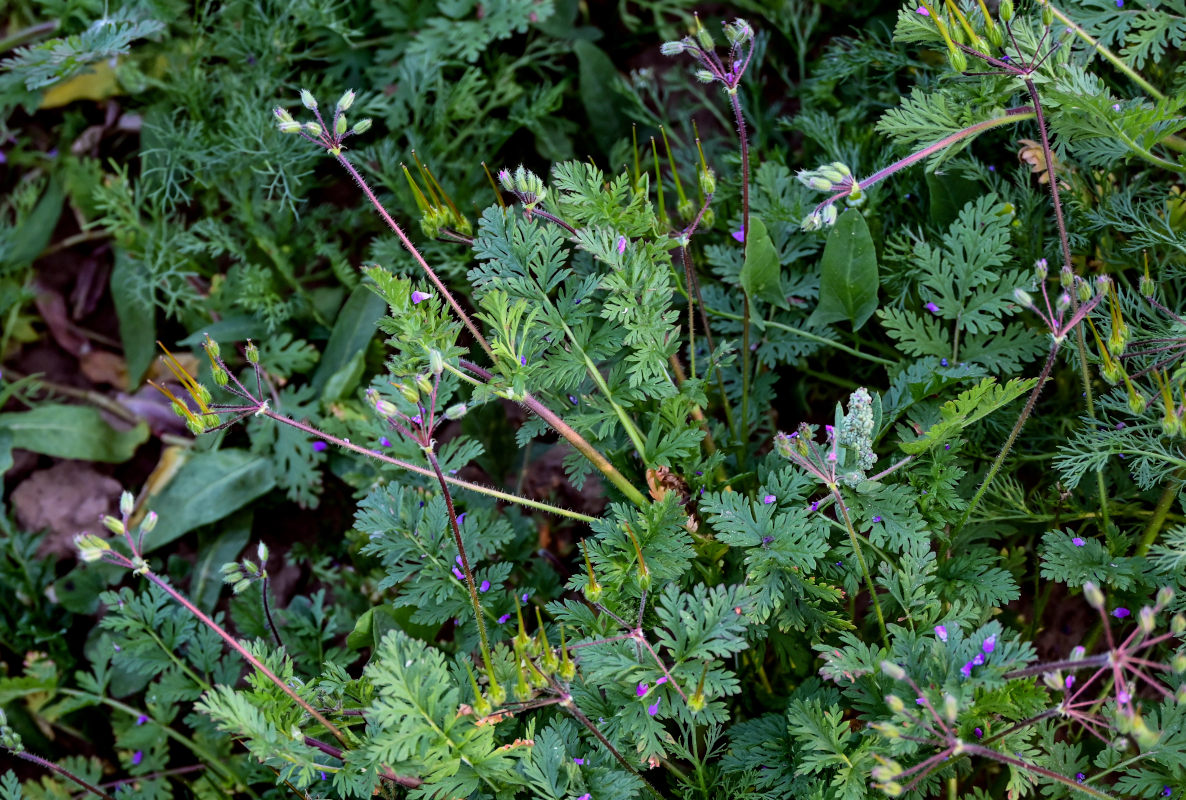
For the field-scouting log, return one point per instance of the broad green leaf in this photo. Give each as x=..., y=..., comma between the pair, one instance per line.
x=352, y=332
x=136, y=313
x=375, y=622
x=597, y=77
x=211, y=486
x=848, y=273
x=38, y=228
x=77, y=432
x=949, y=194
x=5, y=450
x=760, y=272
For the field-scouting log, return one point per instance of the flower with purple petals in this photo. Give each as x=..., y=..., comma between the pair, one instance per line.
x=319, y=446
x=739, y=235
x=941, y=632
x=990, y=644
x=653, y=708
x=384, y=441
x=1070, y=681
x=978, y=660
x=768, y=499
x=930, y=306
x=1078, y=541
x=1079, y=776
x=485, y=587
x=923, y=11
x=580, y=762
x=877, y=518
x=143, y=718
x=503, y=619
x=1121, y=612
x=461, y=518
x=621, y=244
x=419, y=297
x=966, y=670
x=642, y=689
x=458, y=574
x=979, y=732
x=137, y=757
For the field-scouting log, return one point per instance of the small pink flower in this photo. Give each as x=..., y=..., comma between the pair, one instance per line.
x=418, y=297
x=1120, y=613
x=934, y=309
x=653, y=709
x=990, y=644
x=458, y=574
x=621, y=244
x=768, y=499
x=941, y=632
x=1078, y=541
x=922, y=11
x=739, y=235
x=641, y=690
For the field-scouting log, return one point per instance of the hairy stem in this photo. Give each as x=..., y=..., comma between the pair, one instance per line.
x=65, y=773
x=411, y=248
x=465, y=568
x=743, y=137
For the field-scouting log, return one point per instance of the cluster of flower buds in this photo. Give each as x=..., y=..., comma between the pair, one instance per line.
x=835, y=177
x=329, y=135
x=1055, y=315
x=241, y=574
x=848, y=446
x=525, y=185
x=10, y=740
x=711, y=67
x=437, y=210
x=204, y=418
x=94, y=548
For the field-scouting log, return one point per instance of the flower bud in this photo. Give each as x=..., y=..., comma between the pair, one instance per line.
x=292, y=126
x=1047, y=14
x=90, y=547
x=149, y=522
x=995, y=36
x=1145, y=620
x=892, y=788
x=455, y=412
x=895, y=703
x=1178, y=662
x=704, y=76
x=593, y=591
x=436, y=362
x=340, y=125
x=1023, y=298
x=346, y=100
x=738, y=31
x=313, y=129
x=820, y=184
x=127, y=504
x=829, y=216
x=672, y=48
x=1136, y=401
x=704, y=37
x=423, y=384
x=1005, y=10
x=1066, y=278
x=892, y=670
x=708, y=181
x=251, y=352
x=950, y=707
x=309, y=101
x=362, y=126
x=1083, y=289
x=959, y=61
x=1093, y=595
x=386, y=408
x=1178, y=624
x=112, y=524
x=1062, y=303
x=1164, y=595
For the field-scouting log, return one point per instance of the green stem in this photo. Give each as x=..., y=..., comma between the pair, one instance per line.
x=856, y=548
x=1106, y=53
x=765, y=323
x=1000, y=459
x=579, y=442
x=1160, y=512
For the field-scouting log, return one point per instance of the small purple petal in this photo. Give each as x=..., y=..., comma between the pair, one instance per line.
x=1115, y=106
x=1165, y=790
x=877, y=518
x=978, y=660
x=621, y=244
x=768, y=499
x=1120, y=613
x=503, y=619
x=1078, y=541
x=653, y=709
x=990, y=644
x=1079, y=776
x=979, y=733
x=918, y=701
x=461, y=518
x=324, y=777
x=385, y=442
x=991, y=168
x=739, y=235
x=966, y=669
x=418, y=297
x=641, y=690
x=319, y=446
x=585, y=796
x=1123, y=697
x=930, y=306
x=661, y=681
x=815, y=505
x=941, y=632
x=1070, y=681
x=922, y=11
x=137, y=757
x=523, y=360
x=767, y=539
x=580, y=762
x=943, y=362
x=458, y=574
x=485, y=587
x=143, y=718
x=525, y=596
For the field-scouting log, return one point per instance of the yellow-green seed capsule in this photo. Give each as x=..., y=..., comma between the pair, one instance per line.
x=362, y=126
x=708, y=181
x=220, y=376
x=340, y=125
x=307, y=98
x=114, y=525
x=251, y=352
x=149, y=522
x=959, y=61
x=346, y=100
x=1005, y=10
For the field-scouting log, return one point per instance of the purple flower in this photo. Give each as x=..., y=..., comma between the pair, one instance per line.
x=966, y=669
x=930, y=306
x=990, y=644
x=324, y=777
x=815, y=505
x=621, y=244
x=922, y=11
x=641, y=690
x=1078, y=541
x=458, y=574
x=941, y=632
x=485, y=587
x=1165, y=790
x=977, y=660
x=1123, y=697
x=580, y=762
x=137, y=757
x=585, y=796
x=525, y=596
x=503, y=619
x=1115, y=106
x=1079, y=776
x=385, y=442
x=979, y=733
x=943, y=362
x=461, y=518
x=991, y=168
x=1070, y=681
x=573, y=400
x=523, y=360
x=319, y=446
x=143, y=718
x=661, y=681
x=1120, y=613
x=418, y=297
x=739, y=235
x=877, y=518
x=653, y=708
x=767, y=539
x=768, y=499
